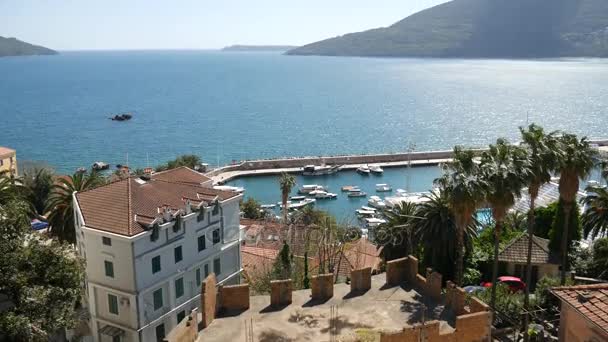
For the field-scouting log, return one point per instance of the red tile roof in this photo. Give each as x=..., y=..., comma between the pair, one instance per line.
x=591, y=301
x=128, y=206
x=517, y=251
x=257, y=261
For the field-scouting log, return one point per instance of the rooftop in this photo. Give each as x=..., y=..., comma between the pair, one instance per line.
x=380, y=308
x=590, y=301
x=6, y=151
x=127, y=207
x=517, y=251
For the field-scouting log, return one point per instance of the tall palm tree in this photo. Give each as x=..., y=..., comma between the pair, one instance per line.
x=397, y=234
x=286, y=183
x=60, y=203
x=541, y=149
x=37, y=184
x=575, y=161
x=466, y=190
x=436, y=231
x=595, y=218
x=505, y=169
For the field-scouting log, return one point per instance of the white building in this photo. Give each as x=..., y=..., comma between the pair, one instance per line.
x=144, y=265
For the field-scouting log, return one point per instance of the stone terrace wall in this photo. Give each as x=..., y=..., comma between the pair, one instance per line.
x=322, y=286
x=208, y=300
x=234, y=297
x=361, y=280
x=405, y=270
x=280, y=293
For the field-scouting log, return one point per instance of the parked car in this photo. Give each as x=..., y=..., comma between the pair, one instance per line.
x=514, y=283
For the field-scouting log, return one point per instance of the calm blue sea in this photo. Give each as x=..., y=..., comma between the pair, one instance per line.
x=233, y=106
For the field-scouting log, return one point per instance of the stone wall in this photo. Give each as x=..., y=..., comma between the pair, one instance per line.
x=322, y=286
x=405, y=270
x=280, y=293
x=208, y=300
x=361, y=280
x=186, y=330
x=395, y=272
x=469, y=328
x=234, y=297
x=455, y=298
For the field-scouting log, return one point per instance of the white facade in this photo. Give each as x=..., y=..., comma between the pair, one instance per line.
x=141, y=286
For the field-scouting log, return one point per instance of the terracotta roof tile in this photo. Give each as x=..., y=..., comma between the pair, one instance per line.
x=6, y=151
x=257, y=261
x=126, y=207
x=590, y=301
x=517, y=251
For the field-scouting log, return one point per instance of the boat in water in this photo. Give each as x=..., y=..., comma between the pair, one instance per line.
x=362, y=213
x=306, y=189
x=357, y=193
x=376, y=169
x=297, y=198
x=99, y=166
x=412, y=197
x=376, y=202
x=383, y=188
x=322, y=170
x=348, y=188
x=364, y=170
x=268, y=206
x=122, y=117
x=237, y=189
x=320, y=194
x=372, y=222
x=299, y=205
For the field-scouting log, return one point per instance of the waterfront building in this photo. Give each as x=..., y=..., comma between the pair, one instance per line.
x=8, y=160
x=148, y=242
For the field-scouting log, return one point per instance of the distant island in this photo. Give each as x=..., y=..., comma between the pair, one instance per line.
x=483, y=29
x=245, y=48
x=15, y=47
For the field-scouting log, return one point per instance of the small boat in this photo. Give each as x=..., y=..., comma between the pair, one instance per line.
x=237, y=189
x=401, y=192
x=383, y=188
x=347, y=188
x=368, y=208
x=122, y=117
x=98, y=166
x=300, y=204
x=314, y=170
x=268, y=206
x=365, y=213
x=376, y=169
x=357, y=193
x=320, y=194
x=306, y=189
x=376, y=202
x=374, y=222
x=297, y=198
x=364, y=170
x=81, y=170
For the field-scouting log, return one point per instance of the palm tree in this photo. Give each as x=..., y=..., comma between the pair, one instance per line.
x=505, y=169
x=436, y=231
x=575, y=161
x=466, y=190
x=60, y=203
x=541, y=149
x=397, y=234
x=38, y=185
x=595, y=217
x=286, y=183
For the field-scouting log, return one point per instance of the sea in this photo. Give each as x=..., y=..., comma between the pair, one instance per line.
x=232, y=106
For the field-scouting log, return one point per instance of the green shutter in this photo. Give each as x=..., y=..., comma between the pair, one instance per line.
x=113, y=304
x=156, y=264
x=198, y=277
x=158, y=299
x=179, y=287
x=109, y=266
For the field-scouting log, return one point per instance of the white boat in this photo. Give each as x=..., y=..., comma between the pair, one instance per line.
x=364, y=170
x=376, y=169
x=348, y=188
x=401, y=192
x=383, y=188
x=372, y=222
x=357, y=193
x=237, y=189
x=268, y=206
x=320, y=194
x=297, y=198
x=368, y=208
x=306, y=189
x=376, y=202
x=300, y=204
x=314, y=170
x=365, y=213
x=98, y=166
x=413, y=197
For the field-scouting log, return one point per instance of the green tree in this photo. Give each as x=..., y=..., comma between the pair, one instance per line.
x=505, y=170
x=599, y=264
x=41, y=278
x=557, y=229
x=282, y=265
x=543, y=220
x=286, y=184
x=397, y=235
x=595, y=217
x=60, y=204
x=189, y=160
x=38, y=184
x=252, y=209
x=575, y=161
x=466, y=190
x=436, y=230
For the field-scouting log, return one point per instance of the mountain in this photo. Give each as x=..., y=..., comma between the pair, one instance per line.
x=258, y=48
x=483, y=28
x=15, y=47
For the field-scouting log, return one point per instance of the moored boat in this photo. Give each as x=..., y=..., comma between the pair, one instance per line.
x=372, y=222
x=98, y=166
x=314, y=170
x=347, y=188
x=376, y=169
x=357, y=193
x=268, y=206
x=320, y=194
x=376, y=202
x=364, y=170
x=229, y=188
x=383, y=188
x=306, y=189
x=297, y=198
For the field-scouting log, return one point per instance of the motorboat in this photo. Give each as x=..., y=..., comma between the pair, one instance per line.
x=297, y=198
x=368, y=208
x=121, y=117
x=376, y=202
x=306, y=189
x=299, y=204
x=268, y=206
x=401, y=192
x=98, y=166
x=357, y=193
x=413, y=197
x=320, y=194
x=237, y=189
x=373, y=222
x=348, y=188
x=315, y=170
x=383, y=188
x=365, y=213
x=376, y=169
x=364, y=170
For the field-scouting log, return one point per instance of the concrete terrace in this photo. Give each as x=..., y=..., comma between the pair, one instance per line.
x=381, y=308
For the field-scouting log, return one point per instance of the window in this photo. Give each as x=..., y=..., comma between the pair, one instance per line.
x=201, y=216
x=206, y=270
x=113, y=304
x=116, y=338
x=158, y=299
x=156, y=264
x=177, y=252
x=109, y=266
x=198, y=277
x=201, y=243
x=216, y=209
x=217, y=267
x=179, y=287
x=180, y=316
x=216, y=236
x=160, y=332
x=106, y=241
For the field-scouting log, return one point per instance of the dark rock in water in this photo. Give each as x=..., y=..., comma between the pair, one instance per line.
x=121, y=117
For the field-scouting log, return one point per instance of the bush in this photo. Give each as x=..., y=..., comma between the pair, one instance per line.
x=252, y=209
x=508, y=304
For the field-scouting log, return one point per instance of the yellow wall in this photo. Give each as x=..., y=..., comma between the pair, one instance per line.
x=7, y=164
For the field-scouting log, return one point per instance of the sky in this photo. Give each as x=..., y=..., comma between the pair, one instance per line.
x=193, y=24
